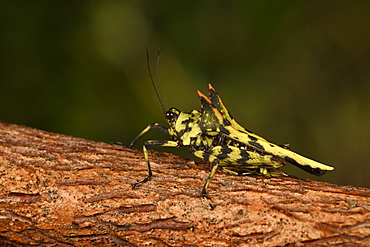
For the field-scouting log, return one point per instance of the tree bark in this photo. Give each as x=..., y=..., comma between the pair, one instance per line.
x=58, y=190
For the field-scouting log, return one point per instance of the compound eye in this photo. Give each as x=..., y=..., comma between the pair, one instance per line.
x=169, y=115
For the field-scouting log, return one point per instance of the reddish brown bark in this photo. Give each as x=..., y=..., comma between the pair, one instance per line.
x=65, y=191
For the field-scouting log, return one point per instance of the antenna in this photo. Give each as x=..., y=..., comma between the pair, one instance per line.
x=155, y=83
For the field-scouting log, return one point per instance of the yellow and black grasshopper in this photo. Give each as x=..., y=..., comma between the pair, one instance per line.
x=212, y=134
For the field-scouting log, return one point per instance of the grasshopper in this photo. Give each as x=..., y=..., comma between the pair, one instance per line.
x=212, y=134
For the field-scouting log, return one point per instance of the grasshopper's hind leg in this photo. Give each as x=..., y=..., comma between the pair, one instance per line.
x=153, y=143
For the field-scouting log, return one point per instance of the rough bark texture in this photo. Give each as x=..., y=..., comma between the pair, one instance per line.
x=58, y=190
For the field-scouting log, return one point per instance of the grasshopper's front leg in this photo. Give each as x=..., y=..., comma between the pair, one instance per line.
x=152, y=143
x=154, y=126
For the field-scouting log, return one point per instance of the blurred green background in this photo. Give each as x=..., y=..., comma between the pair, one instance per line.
x=293, y=72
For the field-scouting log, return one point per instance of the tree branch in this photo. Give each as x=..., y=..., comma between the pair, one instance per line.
x=66, y=191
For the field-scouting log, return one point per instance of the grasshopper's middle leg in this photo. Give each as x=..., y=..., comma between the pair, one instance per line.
x=210, y=176
x=153, y=143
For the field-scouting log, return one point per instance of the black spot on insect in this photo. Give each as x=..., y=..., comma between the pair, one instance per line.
x=187, y=121
x=182, y=132
x=226, y=122
x=225, y=150
x=224, y=131
x=257, y=145
x=245, y=157
x=206, y=155
x=252, y=138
